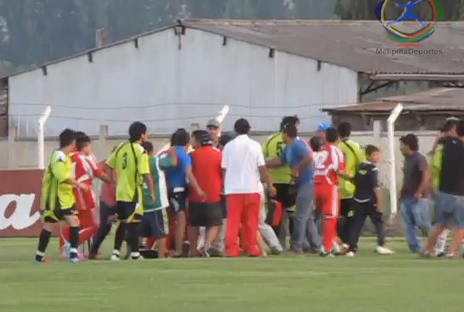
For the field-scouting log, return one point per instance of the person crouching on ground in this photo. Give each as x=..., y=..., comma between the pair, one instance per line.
x=205, y=210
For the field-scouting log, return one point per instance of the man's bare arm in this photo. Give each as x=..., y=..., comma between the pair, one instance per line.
x=305, y=161
x=425, y=181
x=193, y=182
x=274, y=162
x=267, y=179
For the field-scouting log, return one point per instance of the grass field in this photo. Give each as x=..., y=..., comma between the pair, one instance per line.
x=366, y=283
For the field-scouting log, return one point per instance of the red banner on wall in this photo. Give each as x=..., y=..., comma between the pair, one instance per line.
x=20, y=203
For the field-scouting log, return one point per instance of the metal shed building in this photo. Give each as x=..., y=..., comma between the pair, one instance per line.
x=263, y=70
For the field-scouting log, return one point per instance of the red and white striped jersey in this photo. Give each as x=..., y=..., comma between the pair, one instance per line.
x=84, y=170
x=327, y=163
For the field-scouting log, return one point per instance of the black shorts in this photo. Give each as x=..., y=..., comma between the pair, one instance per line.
x=154, y=224
x=126, y=210
x=346, y=209
x=177, y=201
x=53, y=216
x=204, y=214
x=286, y=194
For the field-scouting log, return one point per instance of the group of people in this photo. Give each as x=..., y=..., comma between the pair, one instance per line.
x=222, y=195
x=438, y=179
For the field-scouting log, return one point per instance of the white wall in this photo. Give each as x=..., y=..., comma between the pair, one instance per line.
x=177, y=87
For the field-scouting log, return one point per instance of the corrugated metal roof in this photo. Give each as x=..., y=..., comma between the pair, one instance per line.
x=438, y=99
x=351, y=44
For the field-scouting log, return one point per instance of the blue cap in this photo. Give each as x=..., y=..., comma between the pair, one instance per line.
x=322, y=127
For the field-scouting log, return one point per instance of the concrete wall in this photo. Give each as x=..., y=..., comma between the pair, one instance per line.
x=167, y=83
x=22, y=154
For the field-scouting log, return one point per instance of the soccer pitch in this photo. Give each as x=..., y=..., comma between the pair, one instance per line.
x=368, y=282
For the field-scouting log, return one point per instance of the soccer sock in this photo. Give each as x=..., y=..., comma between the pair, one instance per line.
x=133, y=240
x=44, y=238
x=73, y=241
x=329, y=229
x=119, y=237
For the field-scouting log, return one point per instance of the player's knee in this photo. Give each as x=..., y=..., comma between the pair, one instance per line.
x=48, y=226
x=73, y=221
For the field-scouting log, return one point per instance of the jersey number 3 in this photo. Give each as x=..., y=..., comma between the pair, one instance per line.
x=124, y=161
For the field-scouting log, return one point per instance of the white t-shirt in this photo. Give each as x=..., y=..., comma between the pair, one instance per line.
x=241, y=158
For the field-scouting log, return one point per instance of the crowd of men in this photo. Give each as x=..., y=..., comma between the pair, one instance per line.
x=222, y=195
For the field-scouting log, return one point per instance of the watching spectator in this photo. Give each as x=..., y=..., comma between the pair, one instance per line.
x=414, y=200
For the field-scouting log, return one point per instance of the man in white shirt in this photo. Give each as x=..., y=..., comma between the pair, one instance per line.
x=244, y=169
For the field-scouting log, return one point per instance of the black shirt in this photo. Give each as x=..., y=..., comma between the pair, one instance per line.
x=365, y=181
x=452, y=167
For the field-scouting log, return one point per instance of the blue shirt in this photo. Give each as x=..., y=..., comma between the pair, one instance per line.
x=175, y=176
x=292, y=155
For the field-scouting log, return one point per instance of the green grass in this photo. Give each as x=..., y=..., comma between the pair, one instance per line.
x=366, y=283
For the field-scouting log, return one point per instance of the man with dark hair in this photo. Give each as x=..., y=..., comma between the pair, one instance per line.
x=130, y=161
x=177, y=186
x=243, y=169
x=57, y=199
x=448, y=130
x=449, y=198
x=299, y=158
x=328, y=164
x=85, y=170
x=367, y=202
x=153, y=225
x=415, y=193
x=353, y=156
x=281, y=176
x=205, y=212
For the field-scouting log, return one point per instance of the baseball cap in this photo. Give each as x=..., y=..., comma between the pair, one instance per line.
x=213, y=123
x=322, y=127
x=205, y=139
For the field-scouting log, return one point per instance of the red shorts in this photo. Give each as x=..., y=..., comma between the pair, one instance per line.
x=326, y=200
